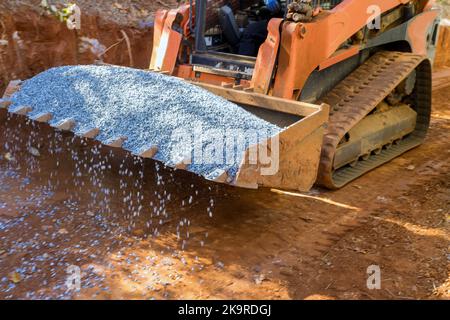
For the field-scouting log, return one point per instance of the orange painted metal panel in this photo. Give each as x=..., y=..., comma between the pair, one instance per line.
x=339, y=56
x=304, y=46
x=418, y=30
x=267, y=56
x=186, y=71
x=169, y=44
x=160, y=18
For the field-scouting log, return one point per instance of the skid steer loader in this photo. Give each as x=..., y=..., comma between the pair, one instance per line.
x=348, y=81
x=356, y=72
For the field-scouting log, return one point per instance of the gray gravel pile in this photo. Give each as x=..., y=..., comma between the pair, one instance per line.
x=148, y=108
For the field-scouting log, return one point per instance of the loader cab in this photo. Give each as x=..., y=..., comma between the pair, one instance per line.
x=230, y=47
x=237, y=26
x=235, y=23
x=203, y=41
x=218, y=48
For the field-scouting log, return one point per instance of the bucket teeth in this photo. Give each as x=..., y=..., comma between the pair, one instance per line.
x=66, y=125
x=117, y=143
x=219, y=175
x=150, y=153
x=183, y=164
x=22, y=110
x=43, y=117
x=91, y=134
x=12, y=88
x=4, y=103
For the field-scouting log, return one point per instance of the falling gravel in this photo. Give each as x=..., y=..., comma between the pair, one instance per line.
x=150, y=109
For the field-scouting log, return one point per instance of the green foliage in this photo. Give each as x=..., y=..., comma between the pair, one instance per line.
x=61, y=13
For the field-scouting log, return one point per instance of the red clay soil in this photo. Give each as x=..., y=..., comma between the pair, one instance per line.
x=32, y=41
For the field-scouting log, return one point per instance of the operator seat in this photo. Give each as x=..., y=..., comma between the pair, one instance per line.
x=229, y=27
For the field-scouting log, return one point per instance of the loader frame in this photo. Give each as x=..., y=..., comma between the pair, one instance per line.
x=292, y=61
x=292, y=51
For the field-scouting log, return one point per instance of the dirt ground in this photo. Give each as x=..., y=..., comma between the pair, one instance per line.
x=139, y=231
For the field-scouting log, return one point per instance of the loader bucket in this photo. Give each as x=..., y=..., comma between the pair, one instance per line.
x=294, y=152
x=288, y=159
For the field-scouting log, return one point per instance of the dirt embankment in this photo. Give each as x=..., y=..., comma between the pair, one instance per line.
x=32, y=40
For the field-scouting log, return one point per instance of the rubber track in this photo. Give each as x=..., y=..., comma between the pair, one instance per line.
x=357, y=95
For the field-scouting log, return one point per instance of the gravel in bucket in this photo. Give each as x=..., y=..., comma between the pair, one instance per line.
x=184, y=121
